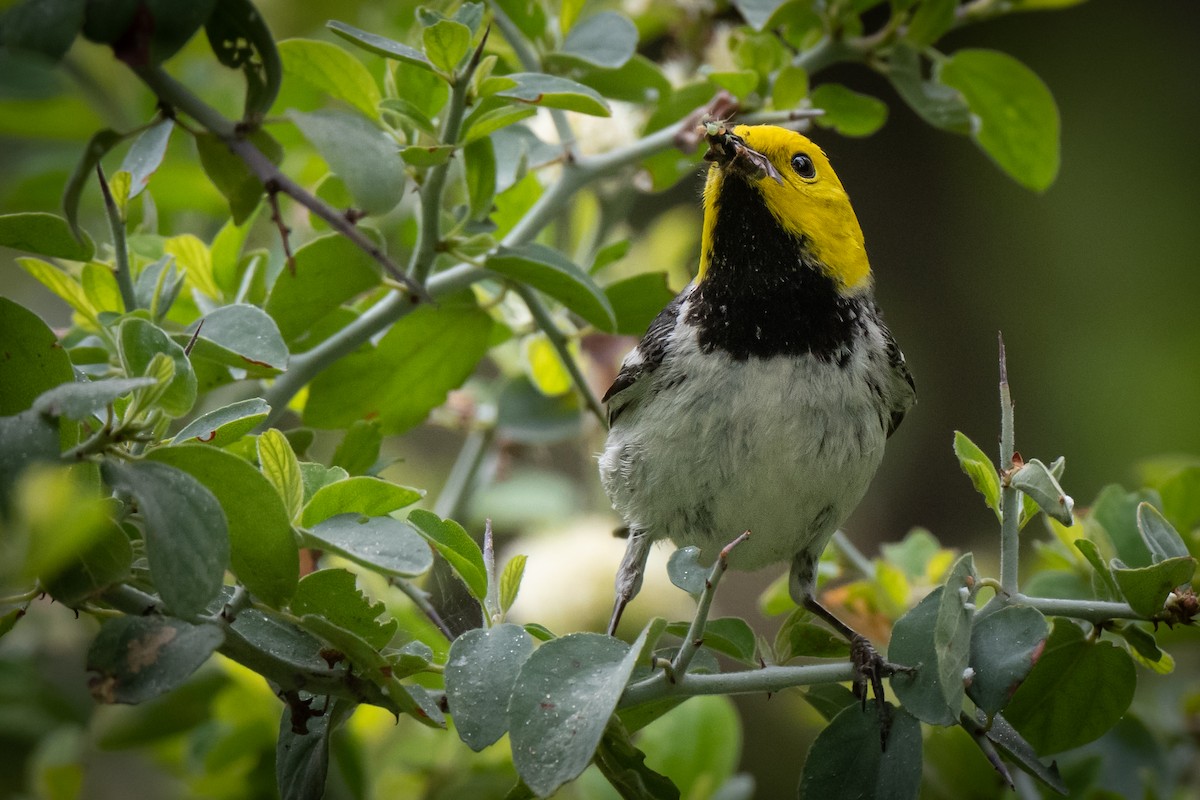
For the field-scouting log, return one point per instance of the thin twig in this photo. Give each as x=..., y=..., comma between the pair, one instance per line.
x=181, y=98
x=1010, y=497
x=284, y=230
x=420, y=598
x=695, y=634
x=187, y=351
x=120, y=249
x=558, y=340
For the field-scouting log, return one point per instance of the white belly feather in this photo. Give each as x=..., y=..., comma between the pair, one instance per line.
x=784, y=448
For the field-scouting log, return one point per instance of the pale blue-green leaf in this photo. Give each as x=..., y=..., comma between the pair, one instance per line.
x=550, y=271
x=226, y=424
x=186, y=535
x=1004, y=647
x=146, y=154
x=81, y=400
x=550, y=91
x=382, y=544
x=359, y=153
x=607, y=39
x=379, y=45
x=481, y=671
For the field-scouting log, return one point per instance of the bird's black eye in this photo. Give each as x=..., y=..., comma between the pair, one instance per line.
x=804, y=166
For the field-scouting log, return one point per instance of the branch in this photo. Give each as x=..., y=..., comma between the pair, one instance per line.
x=767, y=679
x=558, y=340
x=695, y=634
x=1087, y=610
x=120, y=248
x=178, y=96
x=335, y=682
x=1010, y=497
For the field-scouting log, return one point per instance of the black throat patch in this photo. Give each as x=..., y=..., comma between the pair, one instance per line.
x=764, y=295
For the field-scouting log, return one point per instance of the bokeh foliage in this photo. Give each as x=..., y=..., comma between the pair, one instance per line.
x=159, y=468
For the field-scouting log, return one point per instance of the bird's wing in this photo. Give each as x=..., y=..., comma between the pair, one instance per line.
x=903, y=389
x=631, y=382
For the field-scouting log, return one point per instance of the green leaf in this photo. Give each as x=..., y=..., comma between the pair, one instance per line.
x=740, y=83
x=526, y=415
x=549, y=91
x=242, y=336
x=225, y=425
x=240, y=39
x=101, y=290
x=281, y=468
x=100, y=143
x=790, y=87
x=1181, y=498
x=936, y=103
x=228, y=266
x=456, y=546
x=44, y=234
x=139, y=658
x=314, y=476
x=26, y=438
x=358, y=451
x=1035, y=480
x=561, y=703
x=846, y=759
x=1004, y=647
x=829, y=699
x=102, y=562
x=379, y=45
x=330, y=69
x=697, y=744
x=912, y=645
x=624, y=766
x=931, y=20
x=481, y=672
x=1146, y=588
x=329, y=271
x=1016, y=119
x=979, y=469
x=332, y=594
x=952, y=631
x=157, y=286
x=302, y=751
x=186, y=534
x=484, y=121
x=848, y=112
x=359, y=153
x=280, y=639
x=139, y=342
x=510, y=581
x=1115, y=510
x=365, y=495
x=479, y=163
x=427, y=155
x=447, y=43
x=262, y=549
x=46, y=27
x=33, y=362
x=63, y=285
x=442, y=345
x=798, y=636
x=1162, y=540
x=1092, y=553
x=180, y=711
x=146, y=154
x=686, y=572
x=1058, y=707
x=606, y=39
x=640, y=80
x=382, y=544
x=1013, y=745
x=81, y=400
x=637, y=300
x=729, y=635
x=549, y=271
x=233, y=179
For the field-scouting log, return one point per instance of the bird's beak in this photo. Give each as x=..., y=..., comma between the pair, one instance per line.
x=730, y=152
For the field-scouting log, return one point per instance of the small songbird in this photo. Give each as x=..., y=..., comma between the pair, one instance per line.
x=760, y=398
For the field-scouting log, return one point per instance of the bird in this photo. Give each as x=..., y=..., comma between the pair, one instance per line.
x=761, y=396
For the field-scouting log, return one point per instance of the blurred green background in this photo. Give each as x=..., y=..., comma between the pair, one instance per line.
x=1095, y=284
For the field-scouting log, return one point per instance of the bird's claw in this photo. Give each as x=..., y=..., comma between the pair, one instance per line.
x=870, y=668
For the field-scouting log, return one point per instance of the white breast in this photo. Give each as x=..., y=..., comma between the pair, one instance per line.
x=782, y=447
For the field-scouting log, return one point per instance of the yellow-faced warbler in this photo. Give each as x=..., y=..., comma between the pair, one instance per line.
x=760, y=398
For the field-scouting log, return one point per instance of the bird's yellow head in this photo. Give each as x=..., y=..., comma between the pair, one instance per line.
x=798, y=187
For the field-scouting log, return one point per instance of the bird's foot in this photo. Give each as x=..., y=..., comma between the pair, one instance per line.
x=870, y=668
